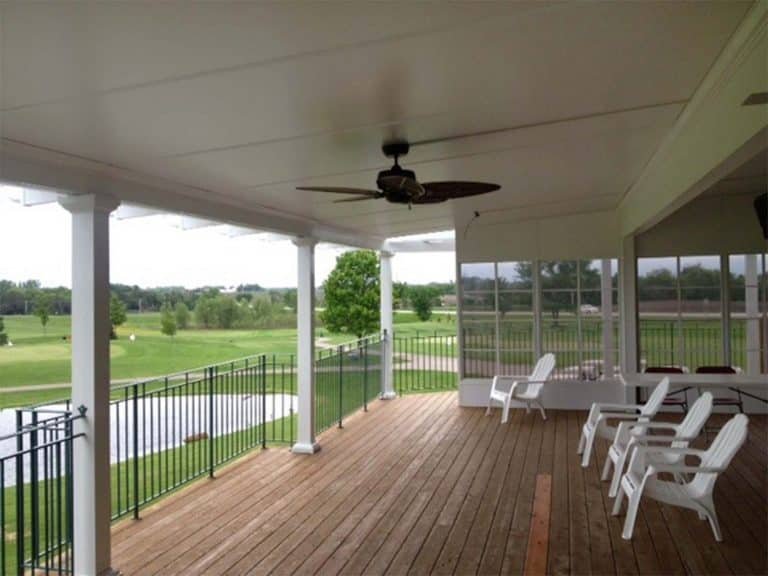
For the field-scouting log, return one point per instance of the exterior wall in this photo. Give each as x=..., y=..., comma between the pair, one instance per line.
x=706, y=225
x=589, y=235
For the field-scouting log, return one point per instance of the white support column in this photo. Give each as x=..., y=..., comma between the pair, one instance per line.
x=90, y=380
x=305, y=299
x=628, y=302
x=538, y=340
x=387, y=364
x=606, y=299
x=751, y=298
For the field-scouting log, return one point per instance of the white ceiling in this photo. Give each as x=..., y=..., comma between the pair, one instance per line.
x=242, y=102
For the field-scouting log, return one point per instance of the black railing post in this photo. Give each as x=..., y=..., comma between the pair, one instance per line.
x=70, y=490
x=34, y=487
x=135, y=452
x=341, y=382
x=19, y=494
x=211, y=434
x=264, y=401
x=364, y=354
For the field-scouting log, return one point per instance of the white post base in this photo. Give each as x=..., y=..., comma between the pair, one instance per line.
x=300, y=448
x=389, y=395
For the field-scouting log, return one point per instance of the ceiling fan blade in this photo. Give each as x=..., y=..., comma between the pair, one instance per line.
x=340, y=190
x=437, y=191
x=358, y=199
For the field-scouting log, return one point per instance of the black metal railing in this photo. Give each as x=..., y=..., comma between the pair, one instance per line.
x=425, y=363
x=690, y=344
x=578, y=347
x=166, y=432
x=36, y=475
x=347, y=378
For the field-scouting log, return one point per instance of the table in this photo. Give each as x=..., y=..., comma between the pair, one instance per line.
x=735, y=382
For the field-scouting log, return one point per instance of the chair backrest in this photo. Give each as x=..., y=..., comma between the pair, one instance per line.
x=656, y=399
x=695, y=419
x=722, y=450
x=541, y=372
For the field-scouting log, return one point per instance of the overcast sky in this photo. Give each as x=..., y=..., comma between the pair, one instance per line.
x=35, y=244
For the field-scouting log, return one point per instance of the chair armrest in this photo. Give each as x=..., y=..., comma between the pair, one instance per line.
x=671, y=450
x=616, y=416
x=622, y=407
x=674, y=468
x=662, y=439
x=657, y=426
x=512, y=380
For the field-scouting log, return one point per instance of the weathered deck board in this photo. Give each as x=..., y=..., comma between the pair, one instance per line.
x=420, y=485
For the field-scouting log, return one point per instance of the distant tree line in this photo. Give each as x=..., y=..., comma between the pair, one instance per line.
x=21, y=297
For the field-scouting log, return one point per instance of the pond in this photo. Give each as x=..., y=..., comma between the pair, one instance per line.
x=165, y=422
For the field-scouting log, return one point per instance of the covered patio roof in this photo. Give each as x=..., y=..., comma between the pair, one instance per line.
x=221, y=113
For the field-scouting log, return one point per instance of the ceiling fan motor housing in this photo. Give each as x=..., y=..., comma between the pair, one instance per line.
x=390, y=182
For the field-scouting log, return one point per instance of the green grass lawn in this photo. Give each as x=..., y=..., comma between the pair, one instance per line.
x=43, y=357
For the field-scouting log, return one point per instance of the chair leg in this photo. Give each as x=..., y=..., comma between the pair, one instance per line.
x=618, y=470
x=527, y=407
x=590, y=440
x=582, y=442
x=617, y=503
x=606, y=468
x=541, y=409
x=505, y=412
x=709, y=513
x=629, y=522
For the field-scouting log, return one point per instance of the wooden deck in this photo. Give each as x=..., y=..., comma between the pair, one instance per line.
x=419, y=485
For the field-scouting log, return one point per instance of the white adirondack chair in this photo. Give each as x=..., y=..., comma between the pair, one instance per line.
x=600, y=413
x=696, y=494
x=527, y=390
x=630, y=435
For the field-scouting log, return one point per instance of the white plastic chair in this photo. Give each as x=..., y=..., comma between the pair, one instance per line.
x=696, y=494
x=600, y=413
x=630, y=435
x=527, y=390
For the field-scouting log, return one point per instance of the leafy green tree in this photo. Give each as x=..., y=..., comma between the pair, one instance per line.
x=399, y=295
x=3, y=335
x=352, y=294
x=182, y=316
x=207, y=311
x=422, y=299
x=117, y=315
x=262, y=307
x=289, y=299
x=167, y=320
x=228, y=310
x=42, y=308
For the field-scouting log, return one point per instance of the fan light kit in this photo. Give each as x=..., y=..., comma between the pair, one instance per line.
x=400, y=186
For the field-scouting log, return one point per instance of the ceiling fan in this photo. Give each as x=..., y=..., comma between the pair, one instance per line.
x=399, y=186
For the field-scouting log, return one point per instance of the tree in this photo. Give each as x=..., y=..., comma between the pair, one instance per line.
x=167, y=320
x=228, y=312
x=399, y=295
x=422, y=299
x=207, y=311
x=289, y=299
x=117, y=315
x=3, y=335
x=352, y=294
x=42, y=308
x=182, y=316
